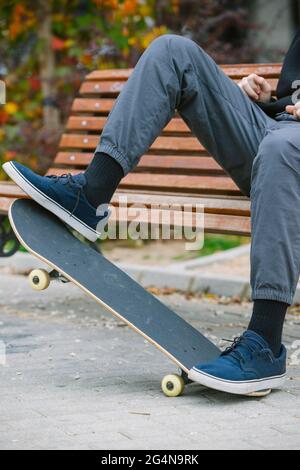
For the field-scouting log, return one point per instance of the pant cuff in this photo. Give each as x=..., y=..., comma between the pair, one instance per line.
x=270, y=294
x=116, y=155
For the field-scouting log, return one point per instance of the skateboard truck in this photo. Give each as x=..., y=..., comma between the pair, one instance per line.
x=40, y=279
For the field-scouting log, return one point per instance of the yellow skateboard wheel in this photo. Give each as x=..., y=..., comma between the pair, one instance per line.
x=172, y=385
x=39, y=279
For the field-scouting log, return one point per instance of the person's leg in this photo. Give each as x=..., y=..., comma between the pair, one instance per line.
x=257, y=360
x=268, y=320
x=176, y=74
x=103, y=176
x=275, y=210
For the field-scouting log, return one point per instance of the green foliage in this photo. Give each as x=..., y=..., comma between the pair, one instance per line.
x=215, y=243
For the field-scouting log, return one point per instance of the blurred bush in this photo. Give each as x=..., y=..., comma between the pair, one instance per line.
x=46, y=48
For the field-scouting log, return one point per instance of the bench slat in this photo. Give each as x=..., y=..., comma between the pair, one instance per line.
x=230, y=225
x=171, y=144
x=226, y=205
x=89, y=105
x=102, y=87
x=89, y=123
x=212, y=223
x=224, y=224
x=232, y=70
x=9, y=190
x=165, y=163
x=112, y=88
x=185, y=184
x=184, y=165
x=181, y=183
x=238, y=71
x=229, y=205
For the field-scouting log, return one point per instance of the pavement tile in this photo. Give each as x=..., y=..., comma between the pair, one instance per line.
x=77, y=379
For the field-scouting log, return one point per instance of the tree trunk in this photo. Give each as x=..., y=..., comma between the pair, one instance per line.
x=51, y=115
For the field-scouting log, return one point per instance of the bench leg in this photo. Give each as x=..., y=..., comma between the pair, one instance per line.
x=9, y=243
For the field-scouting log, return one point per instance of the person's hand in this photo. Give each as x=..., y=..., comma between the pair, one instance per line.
x=294, y=110
x=256, y=87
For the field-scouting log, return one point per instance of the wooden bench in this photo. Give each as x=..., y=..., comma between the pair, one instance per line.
x=176, y=169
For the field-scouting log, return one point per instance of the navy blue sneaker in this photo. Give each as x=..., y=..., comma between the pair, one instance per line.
x=246, y=367
x=64, y=196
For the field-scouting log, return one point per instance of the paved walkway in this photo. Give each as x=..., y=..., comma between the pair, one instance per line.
x=77, y=379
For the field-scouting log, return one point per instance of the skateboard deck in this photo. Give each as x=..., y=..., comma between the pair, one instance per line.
x=46, y=237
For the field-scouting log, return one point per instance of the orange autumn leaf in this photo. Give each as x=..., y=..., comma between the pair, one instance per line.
x=129, y=7
x=9, y=155
x=58, y=44
x=176, y=6
x=4, y=116
x=35, y=83
x=22, y=19
x=86, y=59
x=113, y=4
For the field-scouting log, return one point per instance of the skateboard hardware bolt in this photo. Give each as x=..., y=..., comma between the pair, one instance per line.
x=170, y=386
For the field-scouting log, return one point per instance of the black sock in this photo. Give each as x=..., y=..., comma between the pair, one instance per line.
x=103, y=177
x=268, y=320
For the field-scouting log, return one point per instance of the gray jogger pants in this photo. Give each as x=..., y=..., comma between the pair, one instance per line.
x=261, y=155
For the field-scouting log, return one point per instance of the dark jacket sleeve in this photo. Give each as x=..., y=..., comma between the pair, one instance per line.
x=289, y=73
x=275, y=106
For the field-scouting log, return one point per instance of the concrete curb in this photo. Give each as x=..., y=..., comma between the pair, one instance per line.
x=211, y=259
x=175, y=277
x=164, y=278
x=171, y=277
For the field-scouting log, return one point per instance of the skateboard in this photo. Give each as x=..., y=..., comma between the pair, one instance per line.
x=70, y=260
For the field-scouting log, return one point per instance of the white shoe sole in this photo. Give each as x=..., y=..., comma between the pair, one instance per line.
x=49, y=204
x=236, y=388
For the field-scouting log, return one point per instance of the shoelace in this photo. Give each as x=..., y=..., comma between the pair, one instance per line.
x=68, y=180
x=238, y=355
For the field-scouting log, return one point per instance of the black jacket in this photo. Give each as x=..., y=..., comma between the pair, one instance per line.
x=290, y=72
